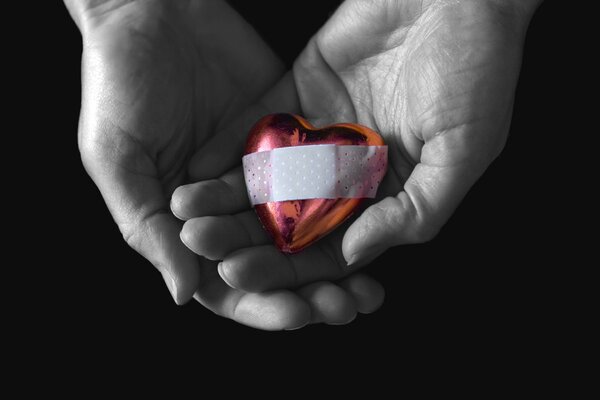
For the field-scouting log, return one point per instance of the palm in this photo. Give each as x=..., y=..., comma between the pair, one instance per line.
x=436, y=80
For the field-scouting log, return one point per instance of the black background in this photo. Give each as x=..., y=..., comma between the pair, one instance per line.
x=477, y=285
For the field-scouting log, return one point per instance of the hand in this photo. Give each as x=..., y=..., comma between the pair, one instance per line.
x=159, y=78
x=435, y=78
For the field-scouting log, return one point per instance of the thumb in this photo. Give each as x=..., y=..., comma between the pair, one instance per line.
x=415, y=215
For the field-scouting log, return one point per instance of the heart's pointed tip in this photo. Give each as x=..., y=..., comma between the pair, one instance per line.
x=286, y=249
x=291, y=248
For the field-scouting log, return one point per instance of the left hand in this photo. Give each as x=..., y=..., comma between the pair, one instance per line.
x=158, y=78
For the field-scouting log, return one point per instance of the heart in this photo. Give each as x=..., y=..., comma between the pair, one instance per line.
x=296, y=224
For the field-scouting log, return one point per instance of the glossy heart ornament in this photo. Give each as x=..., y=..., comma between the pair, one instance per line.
x=324, y=182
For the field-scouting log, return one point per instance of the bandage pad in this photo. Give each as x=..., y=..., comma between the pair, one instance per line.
x=303, y=181
x=325, y=171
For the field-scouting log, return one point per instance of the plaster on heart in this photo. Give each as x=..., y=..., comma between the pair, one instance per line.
x=295, y=224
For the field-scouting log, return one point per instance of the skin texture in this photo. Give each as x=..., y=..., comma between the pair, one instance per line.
x=435, y=78
x=160, y=80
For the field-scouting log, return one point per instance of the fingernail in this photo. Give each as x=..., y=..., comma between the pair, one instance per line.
x=171, y=286
x=352, y=260
x=173, y=211
x=297, y=327
x=344, y=322
x=224, y=276
x=365, y=256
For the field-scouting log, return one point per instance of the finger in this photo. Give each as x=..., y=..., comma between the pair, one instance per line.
x=320, y=302
x=260, y=268
x=251, y=262
x=430, y=195
x=224, y=150
x=269, y=311
x=329, y=303
x=368, y=294
x=215, y=237
x=225, y=195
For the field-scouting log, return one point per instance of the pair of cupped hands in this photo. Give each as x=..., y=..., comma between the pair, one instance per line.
x=171, y=89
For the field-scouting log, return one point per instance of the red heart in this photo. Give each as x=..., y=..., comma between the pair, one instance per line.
x=296, y=224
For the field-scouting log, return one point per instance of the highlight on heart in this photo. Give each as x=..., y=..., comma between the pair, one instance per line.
x=305, y=181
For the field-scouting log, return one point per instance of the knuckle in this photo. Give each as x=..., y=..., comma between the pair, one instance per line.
x=425, y=233
x=380, y=215
x=423, y=226
x=387, y=215
x=425, y=229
